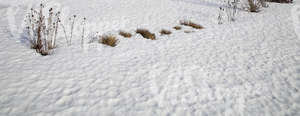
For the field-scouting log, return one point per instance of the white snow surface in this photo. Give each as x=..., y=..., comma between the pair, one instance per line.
x=250, y=67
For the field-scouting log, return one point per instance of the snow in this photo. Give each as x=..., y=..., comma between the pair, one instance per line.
x=250, y=67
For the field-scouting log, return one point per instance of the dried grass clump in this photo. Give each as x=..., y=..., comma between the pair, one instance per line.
x=146, y=34
x=125, y=34
x=191, y=24
x=109, y=40
x=165, y=32
x=177, y=28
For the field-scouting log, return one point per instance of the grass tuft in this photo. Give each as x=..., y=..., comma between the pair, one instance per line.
x=109, y=40
x=177, y=28
x=191, y=24
x=165, y=32
x=125, y=34
x=146, y=34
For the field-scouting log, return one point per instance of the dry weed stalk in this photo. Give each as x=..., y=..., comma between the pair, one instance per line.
x=42, y=30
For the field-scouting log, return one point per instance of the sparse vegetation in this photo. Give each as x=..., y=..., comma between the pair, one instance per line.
x=165, y=32
x=146, y=34
x=220, y=16
x=69, y=38
x=42, y=30
x=177, y=28
x=191, y=24
x=125, y=34
x=109, y=40
x=231, y=10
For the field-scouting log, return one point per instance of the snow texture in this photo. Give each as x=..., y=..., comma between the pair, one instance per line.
x=250, y=67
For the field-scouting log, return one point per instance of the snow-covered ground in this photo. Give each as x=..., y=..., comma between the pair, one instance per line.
x=250, y=67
